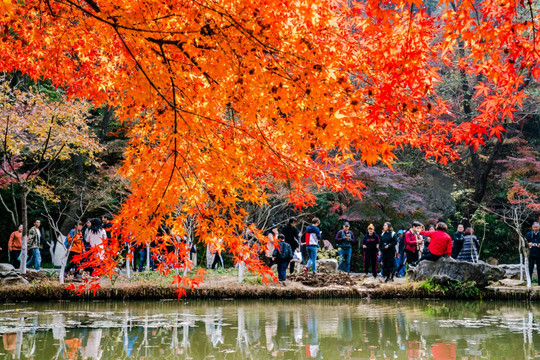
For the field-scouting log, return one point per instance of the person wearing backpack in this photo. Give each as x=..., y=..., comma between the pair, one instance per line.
x=282, y=256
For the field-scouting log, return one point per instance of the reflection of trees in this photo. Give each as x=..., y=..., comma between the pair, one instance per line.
x=268, y=330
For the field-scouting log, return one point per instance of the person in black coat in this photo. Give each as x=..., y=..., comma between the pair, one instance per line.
x=389, y=241
x=370, y=245
x=457, y=243
x=533, y=238
x=282, y=255
x=292, y=237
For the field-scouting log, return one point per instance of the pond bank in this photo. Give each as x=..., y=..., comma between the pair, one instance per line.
x=227, y=287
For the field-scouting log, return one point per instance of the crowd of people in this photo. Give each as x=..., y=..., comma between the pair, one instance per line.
x=387, y=253
x=80, y=238
x=390, y=251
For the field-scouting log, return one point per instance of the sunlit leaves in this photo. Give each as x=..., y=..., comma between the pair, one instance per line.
x=228, y=98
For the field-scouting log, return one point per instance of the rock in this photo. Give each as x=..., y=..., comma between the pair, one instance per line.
x=371, y=282
x=492, y=261
x=327, y=245
x=447, y=269
x=328, y=266
x=51, y=273
x=512, y=270
x=11, y=278
x=511, y=282
x=6, y=267
x=437, y=188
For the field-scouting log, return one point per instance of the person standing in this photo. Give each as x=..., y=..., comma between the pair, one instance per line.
x=440, y=243
x=457, y=243
x=370, y=244
x=312, y=237
x=282, y=255
x=75, y=246
x=15, y=246
x=388, y=250
x=272, y=236
x=413, y=242
x=292, y=237
x=470, y=247
x=533, y=239
x=344, y=241
x=107, y=224
x=34, y=244
x=96, y=236
x=400, y=262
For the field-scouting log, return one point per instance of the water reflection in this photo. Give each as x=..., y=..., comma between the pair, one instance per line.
x=265, y=330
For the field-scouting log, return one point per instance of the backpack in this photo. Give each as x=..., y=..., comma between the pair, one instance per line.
x=285, y=252
x=311, y=239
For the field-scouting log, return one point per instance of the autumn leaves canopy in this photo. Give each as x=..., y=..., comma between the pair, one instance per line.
x=227, y=99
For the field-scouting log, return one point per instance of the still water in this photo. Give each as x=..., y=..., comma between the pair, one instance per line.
x=298, y=329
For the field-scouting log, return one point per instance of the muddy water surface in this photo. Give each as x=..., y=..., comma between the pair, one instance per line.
x=299, y=329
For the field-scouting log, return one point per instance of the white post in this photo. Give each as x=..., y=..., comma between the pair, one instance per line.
x=147, y=256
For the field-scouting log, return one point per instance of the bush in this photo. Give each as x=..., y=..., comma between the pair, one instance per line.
x=452, y=289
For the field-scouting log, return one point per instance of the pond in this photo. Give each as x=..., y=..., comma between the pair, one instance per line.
x=294, y=329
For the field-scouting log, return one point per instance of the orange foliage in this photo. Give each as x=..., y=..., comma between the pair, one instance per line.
x=227, y=97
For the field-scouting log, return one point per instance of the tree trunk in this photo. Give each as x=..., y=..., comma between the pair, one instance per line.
x=129, y=258
x=62, y=273
x=524, y=250
x=107, y=116
x=24, y=210
x=481, y=172
x=72, y=213
x=148, y=257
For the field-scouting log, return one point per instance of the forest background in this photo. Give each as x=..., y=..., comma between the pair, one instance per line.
x=476, y=190
x=493, y=186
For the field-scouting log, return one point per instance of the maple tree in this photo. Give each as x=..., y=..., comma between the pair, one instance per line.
x=36, y=132
x=227, y=98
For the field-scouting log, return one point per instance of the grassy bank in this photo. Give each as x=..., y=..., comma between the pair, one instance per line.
x=224, y=285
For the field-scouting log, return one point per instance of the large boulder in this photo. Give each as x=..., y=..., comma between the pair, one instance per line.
x=512, y=270
x=6, y=267
x=328, y=266
x=448, y=269
x=11, y=278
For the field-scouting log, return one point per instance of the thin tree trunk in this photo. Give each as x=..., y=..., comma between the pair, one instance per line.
x=24, y=248
x=64, y=263
x=148, y=257
x=129, y=258
x=520, y=265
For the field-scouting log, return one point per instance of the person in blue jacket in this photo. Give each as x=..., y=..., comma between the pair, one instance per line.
x=311, y=239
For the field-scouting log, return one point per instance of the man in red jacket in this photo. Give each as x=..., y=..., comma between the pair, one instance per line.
x=441, y=243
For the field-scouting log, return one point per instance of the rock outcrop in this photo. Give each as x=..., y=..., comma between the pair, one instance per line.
x=328, y=266
x=11, y=278
x=6, y=267
x=447, y=269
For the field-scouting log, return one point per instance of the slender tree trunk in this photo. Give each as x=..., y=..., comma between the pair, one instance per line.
x=24, y=210
x=75, y=211
x=62, y=273
x=148, y=257
x=524, y=250
x=520, y=265
x=129, y=258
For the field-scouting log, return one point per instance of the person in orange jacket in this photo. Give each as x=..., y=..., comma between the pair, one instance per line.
x=76, y=245
x=14, y=247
